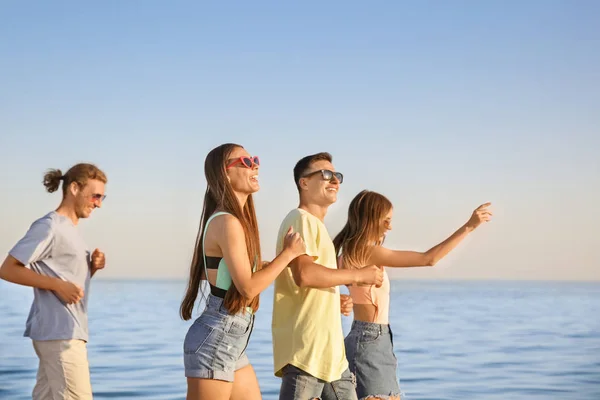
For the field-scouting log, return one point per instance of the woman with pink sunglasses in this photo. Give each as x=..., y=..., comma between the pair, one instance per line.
x=227, y=255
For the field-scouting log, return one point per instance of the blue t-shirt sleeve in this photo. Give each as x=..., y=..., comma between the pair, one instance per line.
x=36, y=245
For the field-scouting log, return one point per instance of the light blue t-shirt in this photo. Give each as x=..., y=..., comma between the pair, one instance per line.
x=53, y=247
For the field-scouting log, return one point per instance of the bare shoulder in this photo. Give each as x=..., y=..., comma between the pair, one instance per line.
x=226, y=225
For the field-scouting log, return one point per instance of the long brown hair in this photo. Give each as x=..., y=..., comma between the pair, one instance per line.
x=79, y=173
x=363, y=228
x=220, y=196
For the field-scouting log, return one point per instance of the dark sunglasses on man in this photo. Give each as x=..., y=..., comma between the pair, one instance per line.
x=327, y=175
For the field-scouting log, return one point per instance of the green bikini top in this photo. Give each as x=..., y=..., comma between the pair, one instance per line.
x=223, y=282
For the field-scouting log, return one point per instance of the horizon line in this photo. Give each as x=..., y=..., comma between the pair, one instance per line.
x=163, y=279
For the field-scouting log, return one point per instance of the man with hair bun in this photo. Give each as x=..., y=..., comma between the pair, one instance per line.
x=53, y=259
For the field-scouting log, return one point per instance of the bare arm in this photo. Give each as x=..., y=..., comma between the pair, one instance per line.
x=398, y=258
x=401, y=258
x=232, y=240
x=307, y=273
x=14, y=271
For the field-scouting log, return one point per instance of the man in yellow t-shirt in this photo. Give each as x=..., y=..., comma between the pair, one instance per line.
x=308, y=341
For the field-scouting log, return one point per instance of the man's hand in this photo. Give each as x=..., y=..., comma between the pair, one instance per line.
x=98, y=260
x=346, y=304
x=68, y=292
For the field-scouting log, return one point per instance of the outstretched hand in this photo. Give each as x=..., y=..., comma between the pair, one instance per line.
x=480, y=215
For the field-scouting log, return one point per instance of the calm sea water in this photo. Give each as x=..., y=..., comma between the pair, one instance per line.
x=453, y=340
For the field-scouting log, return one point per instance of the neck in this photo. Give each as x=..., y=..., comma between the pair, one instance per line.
x=242, y=199
x=317, y=210
x=67, y=210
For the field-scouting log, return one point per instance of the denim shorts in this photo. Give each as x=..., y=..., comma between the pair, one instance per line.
x=300, y=385
x=215, y=345
x=370, y=353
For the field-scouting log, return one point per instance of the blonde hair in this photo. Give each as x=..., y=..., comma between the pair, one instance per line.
x=80, y=173
x=363, y=228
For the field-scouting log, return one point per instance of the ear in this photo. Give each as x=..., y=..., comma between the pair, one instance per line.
x=226, y=172
x=303, y=183
x=74, y=188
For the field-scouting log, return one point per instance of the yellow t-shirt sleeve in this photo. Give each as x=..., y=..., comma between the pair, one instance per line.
x=309, y=232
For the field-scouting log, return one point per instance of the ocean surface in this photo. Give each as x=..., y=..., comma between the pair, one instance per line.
x=453, y=340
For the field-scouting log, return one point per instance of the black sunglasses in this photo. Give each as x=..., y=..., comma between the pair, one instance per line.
x=327, y=175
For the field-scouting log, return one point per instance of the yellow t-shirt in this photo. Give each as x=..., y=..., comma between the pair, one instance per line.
x=307, y=322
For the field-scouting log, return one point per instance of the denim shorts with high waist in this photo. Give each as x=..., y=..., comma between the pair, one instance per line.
x=215, y=345
x=370, y=353
x=300, y=385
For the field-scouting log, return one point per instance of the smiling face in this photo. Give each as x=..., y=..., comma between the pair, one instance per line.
x=386, y=224
x=320, y=183
x=242, y=171
x=88, y=197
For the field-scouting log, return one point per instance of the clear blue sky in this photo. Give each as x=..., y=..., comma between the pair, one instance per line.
x=441, y=106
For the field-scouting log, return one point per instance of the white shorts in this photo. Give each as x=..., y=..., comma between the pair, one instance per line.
x=64, y=371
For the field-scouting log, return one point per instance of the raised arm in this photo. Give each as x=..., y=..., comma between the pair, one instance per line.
x=398, y=258
x=307, y=273
x=232, y=241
